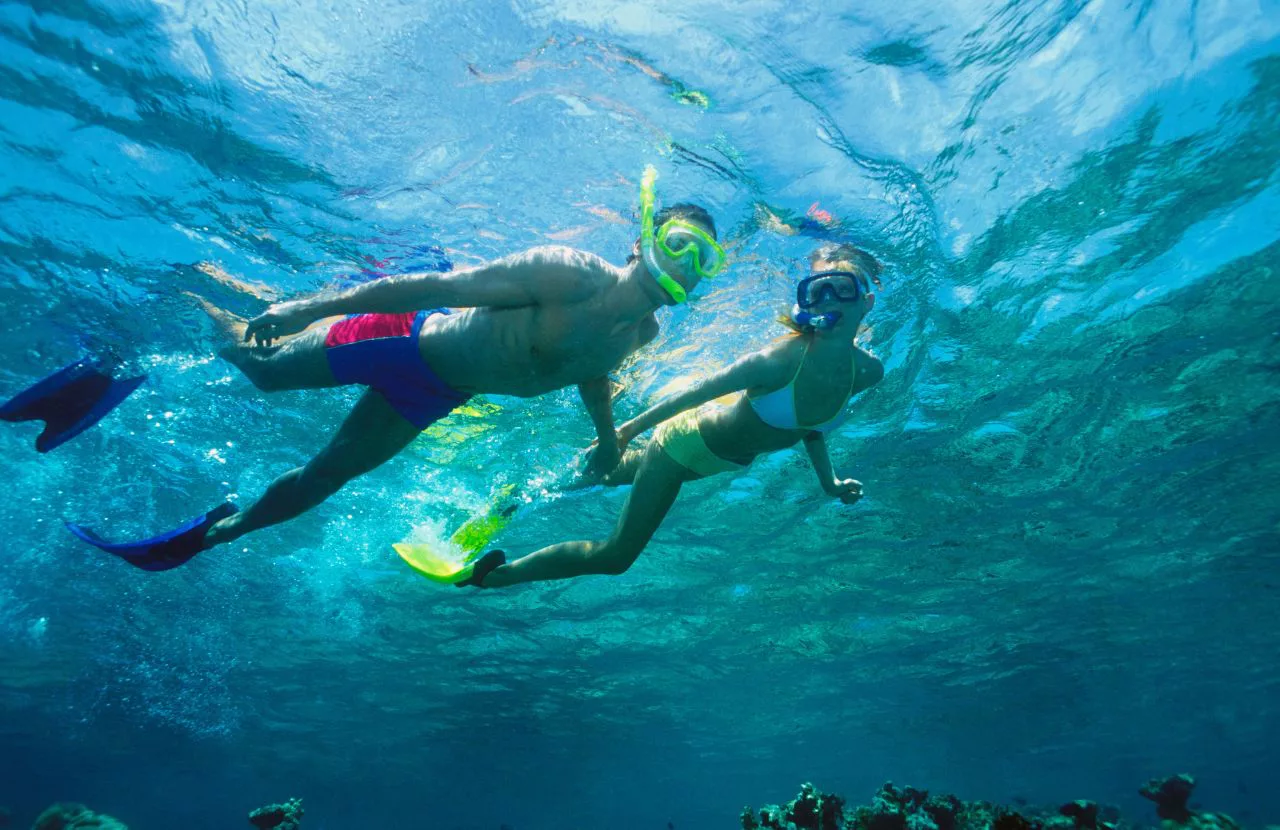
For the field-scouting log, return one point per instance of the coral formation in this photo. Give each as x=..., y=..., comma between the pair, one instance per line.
x=907, y=808
x=810, y=810
x=1170, y=795
x=286, y=816
x=1085, y=815
x=891, y=809
x=75, y=817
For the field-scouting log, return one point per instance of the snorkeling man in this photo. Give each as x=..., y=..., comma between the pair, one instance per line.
x=794, y=390
x=523, y=325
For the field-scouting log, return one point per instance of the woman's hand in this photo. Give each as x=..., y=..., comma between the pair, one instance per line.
x=280, y=320
x=848, y=490
x=626, y=434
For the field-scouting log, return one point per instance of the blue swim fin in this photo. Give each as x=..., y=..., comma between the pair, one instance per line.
x=69, y=401
x=160, y=553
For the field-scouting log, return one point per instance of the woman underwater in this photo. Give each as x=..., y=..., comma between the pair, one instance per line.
x=795, y=389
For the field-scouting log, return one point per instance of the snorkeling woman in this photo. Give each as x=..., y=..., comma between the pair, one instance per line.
x=795, y=389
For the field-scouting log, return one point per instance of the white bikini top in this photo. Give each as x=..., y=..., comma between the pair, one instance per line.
x=778, y=408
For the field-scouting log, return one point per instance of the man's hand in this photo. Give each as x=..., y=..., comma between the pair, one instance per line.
x=600, y=465
x=602, y=459
x=280, y=320
x=848, y=490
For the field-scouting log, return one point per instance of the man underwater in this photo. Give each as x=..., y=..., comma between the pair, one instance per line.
x=523, y=325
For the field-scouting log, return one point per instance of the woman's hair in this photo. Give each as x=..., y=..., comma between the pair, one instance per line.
x=784, y=317
x=845, y=254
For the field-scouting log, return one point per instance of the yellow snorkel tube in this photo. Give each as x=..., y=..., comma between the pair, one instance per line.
x=708, y=257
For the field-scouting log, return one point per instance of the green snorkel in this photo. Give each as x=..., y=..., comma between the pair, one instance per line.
x=647, y=198
x=680, y=240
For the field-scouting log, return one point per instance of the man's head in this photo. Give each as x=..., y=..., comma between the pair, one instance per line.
x=681, y=269
x=689, y=212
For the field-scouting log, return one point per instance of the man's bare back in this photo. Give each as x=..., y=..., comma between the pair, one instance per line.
x=530, y=350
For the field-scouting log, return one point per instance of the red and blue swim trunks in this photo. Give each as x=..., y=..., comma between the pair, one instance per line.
x=380, y=351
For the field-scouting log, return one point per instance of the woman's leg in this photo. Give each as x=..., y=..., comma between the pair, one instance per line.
x=300, y=362
x=657, y=483
x=625, y=472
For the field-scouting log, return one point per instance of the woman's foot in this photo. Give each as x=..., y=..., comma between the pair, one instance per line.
x=482, y=568
x=229, y=325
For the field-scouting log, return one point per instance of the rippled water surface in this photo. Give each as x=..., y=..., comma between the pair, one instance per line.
x=1064, y=578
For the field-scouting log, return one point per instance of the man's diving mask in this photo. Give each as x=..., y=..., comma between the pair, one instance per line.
x=678, y=239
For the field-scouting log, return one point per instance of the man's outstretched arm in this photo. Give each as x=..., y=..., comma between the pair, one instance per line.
x=540, y=275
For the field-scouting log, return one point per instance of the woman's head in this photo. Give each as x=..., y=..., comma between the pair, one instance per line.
x=837, y=293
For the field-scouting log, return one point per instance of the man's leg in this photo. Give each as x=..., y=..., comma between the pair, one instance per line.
x=298, y=363
x=371, y=435
x=657, y=483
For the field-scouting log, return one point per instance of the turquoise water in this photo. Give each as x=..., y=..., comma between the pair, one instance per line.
x=1063, y=580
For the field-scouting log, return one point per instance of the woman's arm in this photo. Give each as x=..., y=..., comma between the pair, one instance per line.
x=756, y=369
x=847, y=490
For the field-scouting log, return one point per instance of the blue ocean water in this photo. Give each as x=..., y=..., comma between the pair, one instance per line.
x=1064, y=579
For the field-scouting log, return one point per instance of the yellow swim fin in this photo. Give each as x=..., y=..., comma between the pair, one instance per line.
x=446, y=570
x=439, y=563
x=434, y=563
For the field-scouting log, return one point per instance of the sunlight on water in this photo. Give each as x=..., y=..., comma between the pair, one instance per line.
x=1063, y=577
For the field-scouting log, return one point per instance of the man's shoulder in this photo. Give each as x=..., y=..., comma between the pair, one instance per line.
x=561, y=256
x=585, y=271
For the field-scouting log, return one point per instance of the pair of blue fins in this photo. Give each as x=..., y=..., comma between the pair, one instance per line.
x=70, y=401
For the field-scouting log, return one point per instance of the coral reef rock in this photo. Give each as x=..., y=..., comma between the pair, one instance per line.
x=1085, y=815
x=907, y=808
x=1171, y=795
x=287, y=816
x=75, y=817
x=810, y=810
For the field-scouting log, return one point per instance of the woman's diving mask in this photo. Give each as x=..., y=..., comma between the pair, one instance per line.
x=824, y=286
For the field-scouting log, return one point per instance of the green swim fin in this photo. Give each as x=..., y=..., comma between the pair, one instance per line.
x=440, y=563
x=435, y=563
